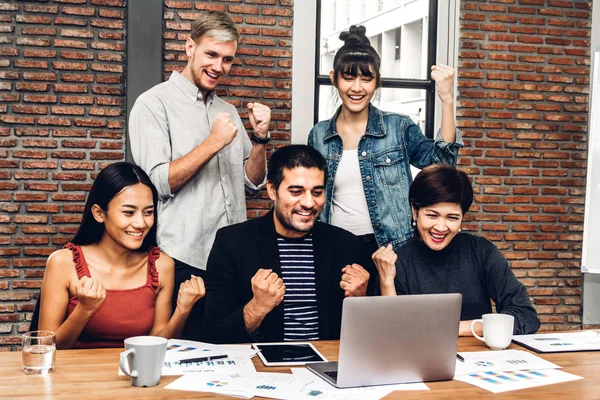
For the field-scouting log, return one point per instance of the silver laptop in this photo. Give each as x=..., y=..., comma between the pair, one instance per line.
x=395, y=339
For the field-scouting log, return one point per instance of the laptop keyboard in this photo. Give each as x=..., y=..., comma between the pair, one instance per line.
x=331, y=374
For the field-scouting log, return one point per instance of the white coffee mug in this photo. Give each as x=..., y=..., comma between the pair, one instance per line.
x=497, y=330
x=143, y=359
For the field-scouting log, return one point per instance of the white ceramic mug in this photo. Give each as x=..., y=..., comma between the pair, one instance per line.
x=497, y=330
x=143, y=359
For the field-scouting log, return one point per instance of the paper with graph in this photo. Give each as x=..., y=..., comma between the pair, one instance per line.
x=560, y=342
x=504, y=381
x=503, y=360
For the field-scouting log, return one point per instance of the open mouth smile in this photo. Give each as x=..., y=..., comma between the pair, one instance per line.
x=436, y=237
x=211, y=75
x=135, y=234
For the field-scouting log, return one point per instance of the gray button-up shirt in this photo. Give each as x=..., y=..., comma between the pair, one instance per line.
x=166, y=123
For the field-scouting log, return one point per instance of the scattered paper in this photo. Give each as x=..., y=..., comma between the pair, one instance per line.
x=504, y=381
x=233, y=385
x=184, y=349
x=559, y=342
x=239, y=360
x=500, y=360
x=318, y=388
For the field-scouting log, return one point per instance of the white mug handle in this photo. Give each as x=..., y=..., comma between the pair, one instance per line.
x=124, y=363
x=473, y=330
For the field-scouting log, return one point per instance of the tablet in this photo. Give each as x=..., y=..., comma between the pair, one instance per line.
x=284, y=354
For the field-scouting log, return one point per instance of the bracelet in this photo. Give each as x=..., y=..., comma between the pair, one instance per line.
x=258, y=140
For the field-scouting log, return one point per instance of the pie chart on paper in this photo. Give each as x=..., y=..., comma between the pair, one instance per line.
x=217, y=383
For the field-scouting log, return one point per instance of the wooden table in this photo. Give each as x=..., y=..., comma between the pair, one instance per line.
x=92, y=374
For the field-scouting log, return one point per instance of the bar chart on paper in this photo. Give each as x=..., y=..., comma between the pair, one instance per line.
x=504, y=360
x=505, y=381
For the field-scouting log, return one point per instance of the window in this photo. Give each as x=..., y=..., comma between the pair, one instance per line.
x=399, y=31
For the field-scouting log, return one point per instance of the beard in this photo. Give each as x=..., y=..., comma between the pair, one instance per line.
x=288, y=222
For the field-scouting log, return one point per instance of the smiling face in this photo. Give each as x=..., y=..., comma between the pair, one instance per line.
x=438, y=224
x=208, y=62
x=355, y=91
x=129, y=216
x=298, y=201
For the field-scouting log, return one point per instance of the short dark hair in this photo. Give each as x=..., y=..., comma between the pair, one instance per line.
x=110, y=182
x=441, y=183
x=356, y=55
x=293, y=156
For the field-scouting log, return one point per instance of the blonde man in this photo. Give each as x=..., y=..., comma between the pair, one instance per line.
x=195, y=149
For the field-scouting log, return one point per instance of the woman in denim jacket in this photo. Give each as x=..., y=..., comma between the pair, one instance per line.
x=369, y=151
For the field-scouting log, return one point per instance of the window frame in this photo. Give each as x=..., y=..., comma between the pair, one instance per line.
x=304, y=93
x=428, y=85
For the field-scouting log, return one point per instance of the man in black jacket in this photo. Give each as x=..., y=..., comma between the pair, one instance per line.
x=283, y=276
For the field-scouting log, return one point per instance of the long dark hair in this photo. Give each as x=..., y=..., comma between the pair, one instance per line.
x=441, y=183
x=110, y=182
x=356, y=55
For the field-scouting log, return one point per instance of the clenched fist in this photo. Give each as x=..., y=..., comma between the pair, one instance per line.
x=260, y=117
x=223, y=130
x=443, y=76
x=189, y=293
x=90, y=293
x=354, y=280
x=268, y=290
x=385, y=261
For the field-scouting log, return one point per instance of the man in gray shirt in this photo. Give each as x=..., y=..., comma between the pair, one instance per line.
x=195, y=149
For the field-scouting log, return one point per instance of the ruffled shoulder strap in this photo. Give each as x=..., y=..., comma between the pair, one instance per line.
x=153, y=255
x=79, y=260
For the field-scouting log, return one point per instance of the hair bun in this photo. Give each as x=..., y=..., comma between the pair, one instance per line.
x=355, y=35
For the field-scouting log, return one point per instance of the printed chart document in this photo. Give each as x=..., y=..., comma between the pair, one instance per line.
x=238, y=360
x=178, y=349
x=263, y=384
x=317, y=388
x=560, y=342
x=500, y=360
x=504, y=381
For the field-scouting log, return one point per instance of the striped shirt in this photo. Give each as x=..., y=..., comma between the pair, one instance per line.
x=300, y=313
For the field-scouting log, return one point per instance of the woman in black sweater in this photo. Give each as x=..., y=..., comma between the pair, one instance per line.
x=441, y=259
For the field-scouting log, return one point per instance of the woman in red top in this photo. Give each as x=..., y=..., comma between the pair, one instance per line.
x=112, y=282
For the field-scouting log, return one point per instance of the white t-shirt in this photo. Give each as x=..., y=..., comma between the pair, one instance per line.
x=349, y=208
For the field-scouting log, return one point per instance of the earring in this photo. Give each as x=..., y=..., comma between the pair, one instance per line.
x=414, y=223
x=459, y=230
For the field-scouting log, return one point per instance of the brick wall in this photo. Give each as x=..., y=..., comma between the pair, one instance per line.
x=62, y=114
x=523, y=106
x=62, y=119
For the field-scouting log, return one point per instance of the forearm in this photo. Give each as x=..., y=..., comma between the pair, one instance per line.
x=69, y=331
x=257, y=164
x=448, y=128
x=185, y=168
x=387, y=289
x=464, y=328
x=174, y=327
x=253, y=317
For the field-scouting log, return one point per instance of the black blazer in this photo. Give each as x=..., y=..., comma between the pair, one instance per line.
x=240, y=250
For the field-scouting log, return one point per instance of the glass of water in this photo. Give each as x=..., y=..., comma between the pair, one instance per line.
x=39, y=351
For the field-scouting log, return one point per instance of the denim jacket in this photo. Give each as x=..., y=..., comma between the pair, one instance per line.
x=390, y=144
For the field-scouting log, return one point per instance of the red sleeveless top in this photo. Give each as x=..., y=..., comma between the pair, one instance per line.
x=123, y=313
